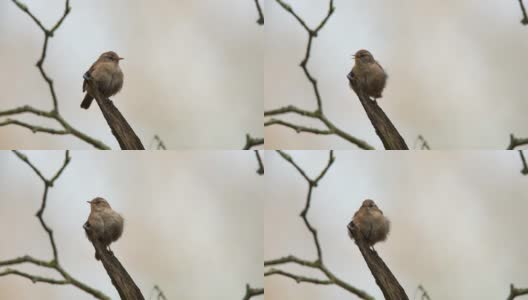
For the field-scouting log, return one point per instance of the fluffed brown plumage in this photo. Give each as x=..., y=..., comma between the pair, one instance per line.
x=371, y=223
x=105, y=224
x=107, y=75
x=369, y=74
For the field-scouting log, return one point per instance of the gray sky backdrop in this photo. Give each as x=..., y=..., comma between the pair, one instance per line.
x=458, y=221
x=193, y=221
x=193, y=70
x=457, y=70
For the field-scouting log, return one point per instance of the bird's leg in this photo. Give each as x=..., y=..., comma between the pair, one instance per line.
x=368, y=237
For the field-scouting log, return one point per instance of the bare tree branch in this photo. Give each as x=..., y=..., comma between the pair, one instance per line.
x=158, y=142
x=516, y=142
x=252, y=142
x=318, y=262
x=54, y=113
x=524, y=170
x=425, y=294
x=260, y=170
x=125, y=286
x=252, y=292
x=384, y=128
x=424, y=145
x=320, y=116
x=515, y=292
x=54, y=262
x=297, y=278
x=389, y=285
x=260, y=19
x=318, y=113
x=161, y=295
x=387, y=132
x=297, y=128
x=122, y=131
x=524, y=20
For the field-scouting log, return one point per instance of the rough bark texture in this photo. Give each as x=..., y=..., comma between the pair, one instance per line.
x=387, y=132
x=125, y=135
x=389, y=285
x=124, y=284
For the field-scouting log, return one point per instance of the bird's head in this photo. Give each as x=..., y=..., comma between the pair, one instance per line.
x=98, y=204
x=363, y=57
x=110, y=56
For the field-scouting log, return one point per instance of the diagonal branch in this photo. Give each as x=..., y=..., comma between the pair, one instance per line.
x=260, y=170
x=389, y=285
x=260, y=19
x=524, y=20
x=124, y=284
x=122, y=131
x=33, y=278
x=386, y=131
x=524, y=170
x=298, y=278
x=514, y=292
x=297, y=128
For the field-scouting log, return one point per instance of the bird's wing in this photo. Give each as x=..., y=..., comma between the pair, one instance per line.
x=386, y=76
x=88, y=74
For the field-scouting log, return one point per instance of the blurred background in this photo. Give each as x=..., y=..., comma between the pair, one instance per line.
x=457, y=70
x=189, y=228
x=458, y=221
x=193, y=70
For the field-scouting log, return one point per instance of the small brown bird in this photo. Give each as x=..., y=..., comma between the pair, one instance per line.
x=371, y=222
x=369, y=74
x=107, y=75
x=106, y=224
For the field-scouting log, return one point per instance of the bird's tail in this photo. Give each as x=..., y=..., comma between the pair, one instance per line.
x=87, y=101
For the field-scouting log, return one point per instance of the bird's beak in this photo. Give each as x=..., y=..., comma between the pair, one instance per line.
x=121, y=58
x=89, y=202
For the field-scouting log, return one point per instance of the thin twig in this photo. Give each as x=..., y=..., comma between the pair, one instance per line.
x=424, y=145
x=54, y=113
x=524, y=20
x=297, y=128
x=516, y=142
x=157, y=143
x=524, y=170
x=312, y=33
x=260, y=170
x=260, y=19
x=514, y=292
x=159, y=292
x=53, y=263
x=252, y=142
x=251, y=292
x=331, y=129
x=297, y=278
x=317, y=263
